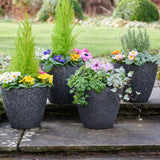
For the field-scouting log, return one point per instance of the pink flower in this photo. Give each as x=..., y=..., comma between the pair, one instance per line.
x=133, y=53
x=107, y=67
x=95, y=66
x=131, y=57
x=42, y=72
x=85, y=54
x=77, y=51
x=119, y=57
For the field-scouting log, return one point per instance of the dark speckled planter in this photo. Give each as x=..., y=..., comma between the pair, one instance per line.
x=25, y=107
x=142, y=81
x=60, y=93
x=101, y=111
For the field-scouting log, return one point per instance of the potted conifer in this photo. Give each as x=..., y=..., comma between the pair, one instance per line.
x=136, y=57
x=62, y=60
x=24, y=88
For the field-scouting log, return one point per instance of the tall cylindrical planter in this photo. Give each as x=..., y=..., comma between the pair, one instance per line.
x=25, y=107
x=60, y=93
x=142, y=81
x=101, y=111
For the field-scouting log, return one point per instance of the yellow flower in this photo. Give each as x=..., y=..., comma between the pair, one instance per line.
x=27, y=79
x=75, y=56
x=44, y=76
x=51, y=79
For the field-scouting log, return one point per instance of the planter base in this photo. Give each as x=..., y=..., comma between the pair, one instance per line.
x=101, y=111
x=142, y=81
x=25, y=107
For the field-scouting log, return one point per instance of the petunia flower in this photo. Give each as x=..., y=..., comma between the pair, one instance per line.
x=47, y=52
x=85, y=54
x=59, y=59
x=96, y=66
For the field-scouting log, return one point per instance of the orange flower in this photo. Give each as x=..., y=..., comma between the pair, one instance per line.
x=75, y=57
x=116, y=52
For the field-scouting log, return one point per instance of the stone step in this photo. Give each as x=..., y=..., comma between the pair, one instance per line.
x=78, y=156
x=152, y=107
x=129, y=135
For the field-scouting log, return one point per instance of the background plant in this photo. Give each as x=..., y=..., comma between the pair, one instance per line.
x=135, y=39
x=62, y=38
x=48, y=9
x=24, y=58
x=140, y=10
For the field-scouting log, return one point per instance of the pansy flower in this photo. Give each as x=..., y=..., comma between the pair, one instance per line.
x=85, y=54
x=47, y=52
x=59, y=59
x=96, y=66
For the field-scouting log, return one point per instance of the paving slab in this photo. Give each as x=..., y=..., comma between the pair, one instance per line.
x=69, y=136
x=8, y=138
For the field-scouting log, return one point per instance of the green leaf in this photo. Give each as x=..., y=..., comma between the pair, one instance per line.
x=128, y=62
x=47, y=67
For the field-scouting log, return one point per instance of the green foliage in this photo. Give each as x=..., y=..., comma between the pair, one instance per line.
x=140, y=10
x=86, y=79
x=1, y=11
x=49, y=8
x=24, y=58
x=138, y=40
x=62, y=38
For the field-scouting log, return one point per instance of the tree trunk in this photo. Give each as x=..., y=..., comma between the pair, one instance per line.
x=95, y=7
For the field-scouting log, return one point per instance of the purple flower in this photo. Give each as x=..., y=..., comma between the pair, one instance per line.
x=59, y=59
x=95, y=66
x=85, y=54
x=107, y=67
x=47, y=52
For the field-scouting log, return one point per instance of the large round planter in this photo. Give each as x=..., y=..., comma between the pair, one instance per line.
x=25, y=107
x=142, y=81
x=60, y=93
x=101, y=111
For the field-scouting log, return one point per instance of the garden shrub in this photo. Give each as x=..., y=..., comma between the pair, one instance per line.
x=140, y=10
x=135, y=39
x=1, y=11
x=49, y=7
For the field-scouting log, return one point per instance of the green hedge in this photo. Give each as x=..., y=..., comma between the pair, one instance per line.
x=49, y=7
x=140, y=10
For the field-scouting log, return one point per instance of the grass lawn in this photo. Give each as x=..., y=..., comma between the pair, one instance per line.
x=99, y=40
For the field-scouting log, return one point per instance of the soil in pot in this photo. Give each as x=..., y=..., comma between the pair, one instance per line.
x=25, y=107
x=142, y=81
x=101, y=111
x=60, y=93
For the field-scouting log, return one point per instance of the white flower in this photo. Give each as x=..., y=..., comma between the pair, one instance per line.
x=44, y=57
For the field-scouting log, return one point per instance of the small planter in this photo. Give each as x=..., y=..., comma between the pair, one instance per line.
x=25, y=107
x=60, y=93
x=101, y=111
x=142, y=81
